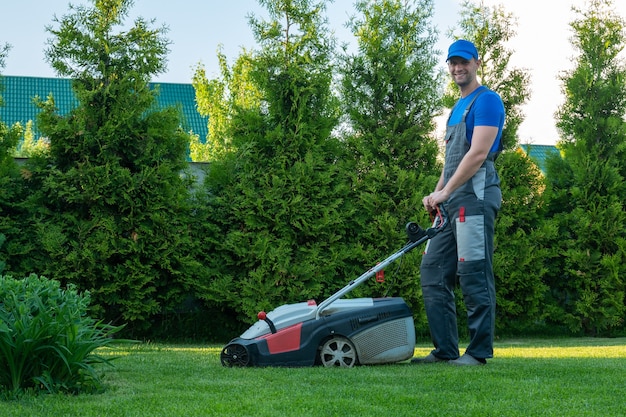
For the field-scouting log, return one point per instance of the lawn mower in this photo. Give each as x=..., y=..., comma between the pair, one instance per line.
x=336, y=332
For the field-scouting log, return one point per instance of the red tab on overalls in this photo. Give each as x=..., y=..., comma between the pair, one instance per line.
x=462, y=220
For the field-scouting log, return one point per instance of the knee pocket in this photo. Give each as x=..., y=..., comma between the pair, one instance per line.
x=431, y=275
x=474, y=288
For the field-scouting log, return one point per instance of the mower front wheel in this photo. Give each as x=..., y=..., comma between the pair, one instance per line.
x=338, y=351
x=236, y=355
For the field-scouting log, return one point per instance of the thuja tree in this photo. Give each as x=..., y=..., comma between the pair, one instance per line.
x=114, y=211
x=390, y=92
x=587, y=188
x=518, y=269
x=276, y=205
x=11, y=189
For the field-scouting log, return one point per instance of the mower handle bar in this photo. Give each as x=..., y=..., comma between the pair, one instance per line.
x=440, y=220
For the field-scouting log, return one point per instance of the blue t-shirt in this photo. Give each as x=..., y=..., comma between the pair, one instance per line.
x=487, y=110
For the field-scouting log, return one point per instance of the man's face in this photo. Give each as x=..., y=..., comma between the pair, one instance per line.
x=463, y=72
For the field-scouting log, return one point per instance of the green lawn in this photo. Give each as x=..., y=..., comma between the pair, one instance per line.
x=560, y=377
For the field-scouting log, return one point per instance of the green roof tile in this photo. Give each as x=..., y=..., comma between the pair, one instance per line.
x=18, y=94
x=183, y=95
x=540, y=153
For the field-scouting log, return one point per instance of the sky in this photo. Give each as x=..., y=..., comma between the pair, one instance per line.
x=197, y=28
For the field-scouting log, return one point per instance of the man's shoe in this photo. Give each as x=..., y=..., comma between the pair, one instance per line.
x=467, y=360
x=428, y=359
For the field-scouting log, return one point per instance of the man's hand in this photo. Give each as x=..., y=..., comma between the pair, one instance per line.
x=434, y=199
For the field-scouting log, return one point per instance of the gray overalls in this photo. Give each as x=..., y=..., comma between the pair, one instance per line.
x=463, y=249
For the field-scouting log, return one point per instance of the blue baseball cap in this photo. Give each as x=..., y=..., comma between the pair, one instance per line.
x=464, y=49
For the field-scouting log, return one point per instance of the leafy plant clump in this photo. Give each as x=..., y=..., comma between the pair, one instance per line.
x=47, y=341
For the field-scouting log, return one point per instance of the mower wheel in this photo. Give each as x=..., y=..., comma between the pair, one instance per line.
x=338, y=351
x=235, y=355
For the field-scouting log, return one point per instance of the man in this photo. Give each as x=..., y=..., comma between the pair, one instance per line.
x=469, y=188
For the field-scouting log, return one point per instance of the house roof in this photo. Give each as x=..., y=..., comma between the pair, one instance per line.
x=539, y=154
x=18, y=93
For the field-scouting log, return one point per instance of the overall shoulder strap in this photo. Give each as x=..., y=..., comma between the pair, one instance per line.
x=481, y=90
